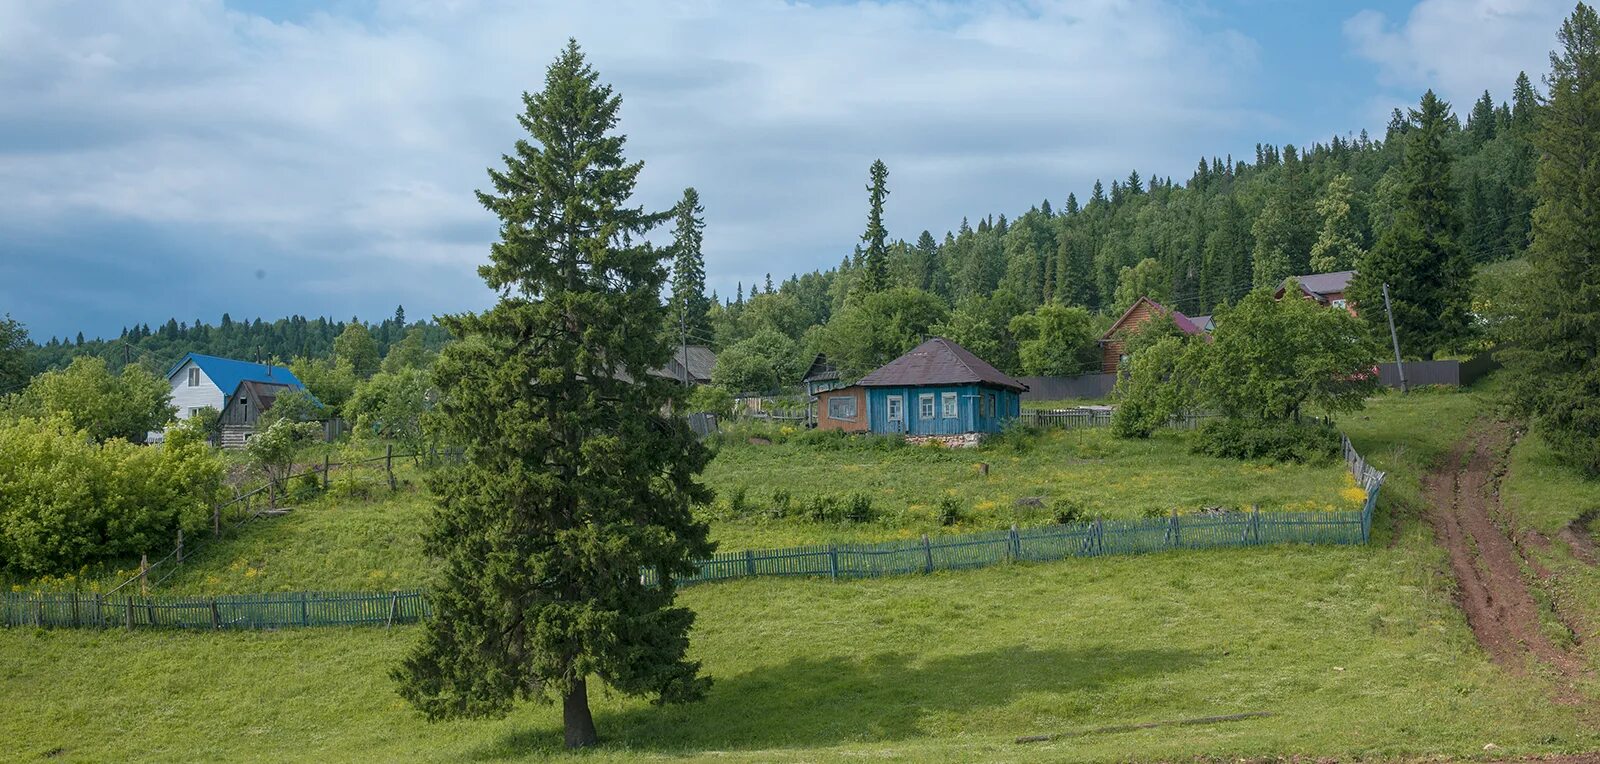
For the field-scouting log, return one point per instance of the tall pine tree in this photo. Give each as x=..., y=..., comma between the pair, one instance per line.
x=689, y=309
x=1556, y=356
x=573, y=480
x=874, y=271
x=1420, y=255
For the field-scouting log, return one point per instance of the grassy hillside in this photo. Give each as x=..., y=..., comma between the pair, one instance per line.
x=1358, y=652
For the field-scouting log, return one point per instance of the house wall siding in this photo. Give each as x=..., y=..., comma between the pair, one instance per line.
x=858, y=424
x=970, y=416
x=185, y=397
x=1111, y=348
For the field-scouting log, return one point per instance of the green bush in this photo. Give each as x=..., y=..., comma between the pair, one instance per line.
x=950, y=511
x=1069, y=511
x=1278, y=441
x=781, y=504
x=859, y=508
x=823, y=509
x=67, y=501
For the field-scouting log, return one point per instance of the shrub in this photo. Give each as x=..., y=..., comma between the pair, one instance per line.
x=1069, y=511
x=66, y=501
x=1282, y=441
x=859, y=508
x=823, y=509
x=950, y=511
x=738, y=502
x=781, y=504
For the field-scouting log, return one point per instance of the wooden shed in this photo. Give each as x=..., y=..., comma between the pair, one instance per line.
x=245, y=406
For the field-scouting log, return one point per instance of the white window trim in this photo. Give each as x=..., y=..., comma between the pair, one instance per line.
x=894, y=408
x=925, y=408
x=194, y=376
x=949, y=405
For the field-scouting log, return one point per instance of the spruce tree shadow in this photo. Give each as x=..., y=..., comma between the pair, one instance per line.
x=884, y=697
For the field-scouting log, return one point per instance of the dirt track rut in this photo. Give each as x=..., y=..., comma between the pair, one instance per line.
x=1464, y=500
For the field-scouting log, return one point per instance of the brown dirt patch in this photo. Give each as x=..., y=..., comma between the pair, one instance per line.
x=1470, y=523
x=1579, y=535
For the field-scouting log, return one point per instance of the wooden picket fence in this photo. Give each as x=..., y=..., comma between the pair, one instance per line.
x=925, y=555
x=227, y=611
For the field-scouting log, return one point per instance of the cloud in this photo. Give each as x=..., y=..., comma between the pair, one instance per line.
x=1458, y=47
x=345, y=146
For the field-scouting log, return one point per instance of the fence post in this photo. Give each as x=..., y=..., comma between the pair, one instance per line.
x=180, y=546
x=216, y=617
x=272, y=491
x=394, y=606
x=388, y=464
x=749, y=562
x=927, y=554
x=1177, y=540
x=216, y=521
x=76, y=620
x=129, y=600
x=833, y=561
x=99, y=614
x=1255, y=522
x=144, y=568
x=1099, y=535
x=305, y=610
x=326, y=464
x=1014, y=545
x=38, y=611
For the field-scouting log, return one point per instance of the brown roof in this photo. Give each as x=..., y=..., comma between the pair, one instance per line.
x=1185, y=324
x=939, y=362
x=263, y=393
x=1322, y=284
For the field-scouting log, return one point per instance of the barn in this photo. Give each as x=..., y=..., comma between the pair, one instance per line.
x=246, y=405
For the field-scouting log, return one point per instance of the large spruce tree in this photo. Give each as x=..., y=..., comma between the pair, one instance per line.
x=1556, y=356
x=874, y=270
x=573, y=481
x=689, y=309
x=1420, y=255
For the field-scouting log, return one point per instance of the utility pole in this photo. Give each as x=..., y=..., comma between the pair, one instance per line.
x=1395, y=338
x=683, y=340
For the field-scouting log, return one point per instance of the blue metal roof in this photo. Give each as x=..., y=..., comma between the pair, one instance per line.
x=227, y=373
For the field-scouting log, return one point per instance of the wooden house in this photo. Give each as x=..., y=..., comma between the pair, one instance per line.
x=937, y=389
x=821, y=376
x=199, y=381
x=1322, y=288
x=1113, y=345
x=245, y=406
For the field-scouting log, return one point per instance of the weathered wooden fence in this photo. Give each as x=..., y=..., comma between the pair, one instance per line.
x=1086, y=418
x=228, y=611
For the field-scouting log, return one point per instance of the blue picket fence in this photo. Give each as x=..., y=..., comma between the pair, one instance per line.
x=227, y=611
x=925, y=555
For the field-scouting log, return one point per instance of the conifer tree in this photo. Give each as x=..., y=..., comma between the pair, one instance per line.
x=688, y=313
x=1556, y=356
x=574, y=482
x=1420, y=255
x=1338, y=245
x=874, y=275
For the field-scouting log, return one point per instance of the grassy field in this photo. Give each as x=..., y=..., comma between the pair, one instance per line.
x=1104, y=475
x=1358, y=652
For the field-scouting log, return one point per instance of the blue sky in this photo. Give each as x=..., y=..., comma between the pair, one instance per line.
x=186, y=158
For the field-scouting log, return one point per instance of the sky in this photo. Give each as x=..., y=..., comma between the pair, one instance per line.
x=187, y=158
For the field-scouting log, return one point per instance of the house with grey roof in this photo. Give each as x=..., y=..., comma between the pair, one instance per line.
x=937, y=389
x=1322, y=288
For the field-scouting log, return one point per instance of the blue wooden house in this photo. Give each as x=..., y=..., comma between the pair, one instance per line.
x=940, y=388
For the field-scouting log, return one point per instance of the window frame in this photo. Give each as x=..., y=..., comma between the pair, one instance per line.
x=894, y=408
x=925, y=406
x=194, y=376
x=949, y=405
x=850, y=399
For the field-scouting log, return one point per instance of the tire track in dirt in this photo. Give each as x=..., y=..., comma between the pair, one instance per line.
x=1464, y=500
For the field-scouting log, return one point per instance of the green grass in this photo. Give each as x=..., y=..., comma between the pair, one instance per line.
x=1352, y=650
x=1358, y=652
x=1105, y=475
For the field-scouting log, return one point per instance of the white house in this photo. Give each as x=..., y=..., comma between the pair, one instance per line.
x=199, y=381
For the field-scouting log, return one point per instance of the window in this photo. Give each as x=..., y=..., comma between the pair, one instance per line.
x=842, y=407
x=1339, y=303
x=194, y=411
x=925, y=406
x=991, y=406
x=896, y=408
x=950, y=404
x=194, y=376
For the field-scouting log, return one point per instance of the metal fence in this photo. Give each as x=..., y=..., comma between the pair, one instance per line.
x=1087, y=418
x=1046, y=543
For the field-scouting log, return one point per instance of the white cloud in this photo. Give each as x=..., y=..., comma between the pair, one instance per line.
x=352, y=143
x=1458, y=47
